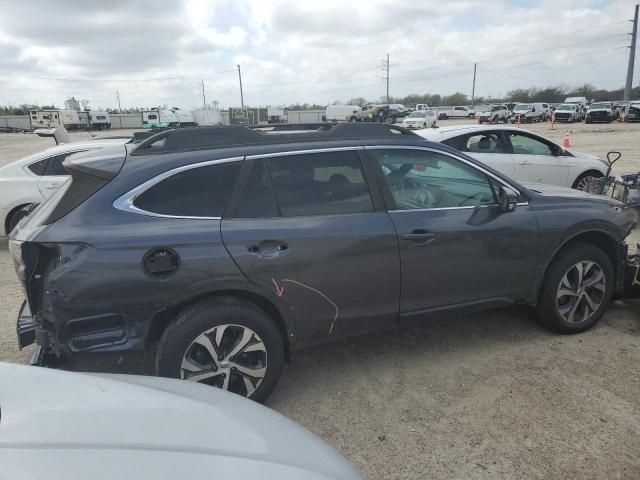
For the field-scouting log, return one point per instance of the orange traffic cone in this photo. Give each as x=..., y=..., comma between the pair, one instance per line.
x=566, y=140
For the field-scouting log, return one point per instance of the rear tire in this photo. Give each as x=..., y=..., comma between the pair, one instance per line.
x=248, y=344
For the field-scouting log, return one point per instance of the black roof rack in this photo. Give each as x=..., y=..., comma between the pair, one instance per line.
x=200, y=138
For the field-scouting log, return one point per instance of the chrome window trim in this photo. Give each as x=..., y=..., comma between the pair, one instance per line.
x=450, y=208
x=125, y=202
x=434, y=150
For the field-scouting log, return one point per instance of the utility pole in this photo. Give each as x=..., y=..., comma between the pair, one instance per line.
x=118, y=97
x=473, y=91
x=204, y=98
x=385, y=69
x=241, y=95
x=632, y=53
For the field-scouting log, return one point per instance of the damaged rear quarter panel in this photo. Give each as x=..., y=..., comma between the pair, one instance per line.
x=112, y=255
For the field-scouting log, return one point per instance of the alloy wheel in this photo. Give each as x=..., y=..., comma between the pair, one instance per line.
x=584, y=182
x=581, y=292
x=231, y=357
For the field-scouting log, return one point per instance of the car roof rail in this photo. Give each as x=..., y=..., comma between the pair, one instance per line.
x=202, y=138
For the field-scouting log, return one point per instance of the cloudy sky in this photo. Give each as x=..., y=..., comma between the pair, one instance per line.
x=155, y=51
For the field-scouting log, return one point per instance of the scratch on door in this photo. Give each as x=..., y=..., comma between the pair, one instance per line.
x=280, y=293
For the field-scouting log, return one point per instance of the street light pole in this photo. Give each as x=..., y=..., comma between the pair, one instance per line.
x=241, y=95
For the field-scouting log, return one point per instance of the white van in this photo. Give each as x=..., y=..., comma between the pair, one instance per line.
x=529, y=113
x=342, y=113
x=156, y=118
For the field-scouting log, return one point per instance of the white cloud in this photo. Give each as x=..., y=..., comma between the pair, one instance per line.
x=307, y=51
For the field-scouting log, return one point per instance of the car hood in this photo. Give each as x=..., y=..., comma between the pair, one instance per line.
x=564, y=110
x=174, y=425
x=556, y=191
x=598, y=110
x=587, y=156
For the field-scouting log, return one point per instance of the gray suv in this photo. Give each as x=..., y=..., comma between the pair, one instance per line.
x=219, y=250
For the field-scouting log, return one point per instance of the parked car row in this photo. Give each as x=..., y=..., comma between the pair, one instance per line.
x=226, y=310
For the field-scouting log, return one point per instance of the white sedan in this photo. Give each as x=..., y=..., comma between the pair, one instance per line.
x=73, y=426
x=28, y=181
x=521, y=154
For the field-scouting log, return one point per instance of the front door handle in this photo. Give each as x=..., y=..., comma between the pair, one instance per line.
x=268, y=248
x=52, y=186
x=420, y=236
x=525, y=162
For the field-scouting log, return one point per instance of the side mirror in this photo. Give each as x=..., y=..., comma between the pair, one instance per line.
x=507, y=199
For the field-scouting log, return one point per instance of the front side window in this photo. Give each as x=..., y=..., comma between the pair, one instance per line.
x=525, y=145
x=325, y=183
x=197, y=192
x=420, y=179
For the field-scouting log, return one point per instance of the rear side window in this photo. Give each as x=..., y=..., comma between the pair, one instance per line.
x=197, y=192
x=54, y=167
x=39, y=167
x=325, y=183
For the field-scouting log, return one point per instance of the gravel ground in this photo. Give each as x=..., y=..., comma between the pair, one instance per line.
x=489, y=396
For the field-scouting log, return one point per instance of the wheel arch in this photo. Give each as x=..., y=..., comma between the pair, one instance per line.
x=11, y=213
x=161, y=320
x=589, y=171
x=598, y=238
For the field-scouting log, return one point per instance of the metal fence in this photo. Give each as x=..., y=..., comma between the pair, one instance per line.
x=126, y=120
x=305, y=116
x=15, y=122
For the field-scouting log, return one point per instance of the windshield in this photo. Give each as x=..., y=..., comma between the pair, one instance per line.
x=420, y=114
x=567, y=106
x=605, y=106
x=523, y=107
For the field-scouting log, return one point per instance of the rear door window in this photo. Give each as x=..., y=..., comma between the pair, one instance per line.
x=324, y=183
x=39, y=167
x=484, y=143
x=257, y=199
x=197, y=192
x=55, y=167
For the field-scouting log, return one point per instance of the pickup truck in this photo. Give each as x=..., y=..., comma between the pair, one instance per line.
x=496, y=114
x=456, y=112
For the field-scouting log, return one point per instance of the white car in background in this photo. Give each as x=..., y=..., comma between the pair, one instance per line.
x=28, y=181
x=421, y=119
x=75, y=426
x=520, y=154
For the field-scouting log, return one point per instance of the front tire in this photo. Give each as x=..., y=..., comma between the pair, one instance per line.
x=582, y=182
x=226, y=343
x=577, y=289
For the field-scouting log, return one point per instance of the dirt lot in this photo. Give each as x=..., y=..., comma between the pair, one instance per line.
x=489, y=396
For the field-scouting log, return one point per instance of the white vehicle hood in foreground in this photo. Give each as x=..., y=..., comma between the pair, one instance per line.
x=62, y=425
